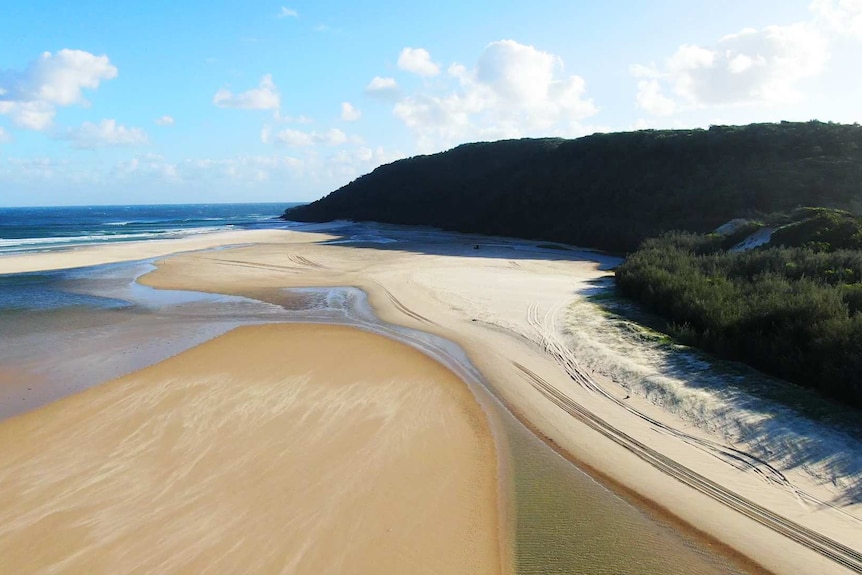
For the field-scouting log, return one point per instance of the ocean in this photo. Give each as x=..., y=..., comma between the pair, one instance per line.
x=24, y=230
x=70, y=329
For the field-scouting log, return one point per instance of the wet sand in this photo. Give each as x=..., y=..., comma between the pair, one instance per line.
x=278, y=448
x=502, y=304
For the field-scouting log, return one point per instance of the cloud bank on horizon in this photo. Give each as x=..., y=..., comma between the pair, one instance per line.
x=305, y=98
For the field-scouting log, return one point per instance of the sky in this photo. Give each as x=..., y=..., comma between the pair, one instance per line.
x=129, y=102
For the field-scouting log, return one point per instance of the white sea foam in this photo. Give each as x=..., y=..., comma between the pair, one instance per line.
x=66, y=242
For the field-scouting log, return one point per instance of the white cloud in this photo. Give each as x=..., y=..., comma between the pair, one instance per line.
x=243, y=170
x=29, y=170
x=165, y=121
x=750, y=67
x=105, y=133
x=264, y=97
x=348, y=164
x=385, y=88
x=300, y=139
x=349, y=113
x=287, y=13
x=417, y=61
x=4, y=135
x=651, y=100
x=312, y=170
x=30, y=96
x=301, y=119
x=147, y=166
x=514, y=91
x=517, y=73
x=841, y=16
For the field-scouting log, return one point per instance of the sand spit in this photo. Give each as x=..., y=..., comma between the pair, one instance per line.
x=124, y=251
x=504, y=303
x=279, y=448
x=500, y=302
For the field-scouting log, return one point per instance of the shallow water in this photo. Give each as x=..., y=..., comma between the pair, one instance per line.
x=62, y=332
x=79, y=328
x=566, y=522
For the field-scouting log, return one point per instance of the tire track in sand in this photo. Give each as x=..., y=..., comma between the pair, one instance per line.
x=403, y=308
x=821, y=544
x=738, y=458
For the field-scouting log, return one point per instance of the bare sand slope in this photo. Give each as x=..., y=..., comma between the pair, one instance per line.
x=278, y=448
x=124, y=251
x=502, y=303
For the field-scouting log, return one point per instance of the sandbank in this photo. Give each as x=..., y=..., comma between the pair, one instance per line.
x=277, y=448
x=108, y=253
x=502, y=303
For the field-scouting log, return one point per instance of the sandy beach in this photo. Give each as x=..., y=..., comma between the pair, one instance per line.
x=503, y=302
x=280, y=448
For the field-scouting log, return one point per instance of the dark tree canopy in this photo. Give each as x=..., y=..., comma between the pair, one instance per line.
x=610, y=191
x=792, y=307
x=794, y=312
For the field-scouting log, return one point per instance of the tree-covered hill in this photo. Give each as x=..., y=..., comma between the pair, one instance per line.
x=610, y=191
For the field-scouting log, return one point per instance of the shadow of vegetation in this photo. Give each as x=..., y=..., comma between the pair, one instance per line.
x=779, y=422
x=785, y=424
x=433, y=241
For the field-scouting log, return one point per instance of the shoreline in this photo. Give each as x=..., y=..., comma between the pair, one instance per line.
x=419, y=299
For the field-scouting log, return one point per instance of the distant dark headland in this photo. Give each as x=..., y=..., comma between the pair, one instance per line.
x=778, y=287
x=610, y=191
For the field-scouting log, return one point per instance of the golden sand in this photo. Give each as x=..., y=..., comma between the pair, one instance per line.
x=500, y=304
x=279, y=448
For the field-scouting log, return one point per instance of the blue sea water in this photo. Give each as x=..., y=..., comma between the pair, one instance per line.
x=40, y=229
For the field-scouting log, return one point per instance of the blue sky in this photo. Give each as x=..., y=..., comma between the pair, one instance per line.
x=227, y=101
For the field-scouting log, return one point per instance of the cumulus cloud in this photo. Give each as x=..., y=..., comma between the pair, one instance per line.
x=301, y=119
x=165, y=121
x=750, y=67
x=384, y=88
x=264, y=97
x=349, y=113
x=514, y=90
x=105, y=133
x=417, y=61
x=841, y=16
x=287, y=13
x=239, y=171
x=347, y=164
x=30, y=96
x=651, y=100
x=32, y=169
x=147, y=166
x=301, y=139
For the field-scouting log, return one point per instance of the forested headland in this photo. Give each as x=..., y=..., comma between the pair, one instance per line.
x=610, y=191
x=779, y=288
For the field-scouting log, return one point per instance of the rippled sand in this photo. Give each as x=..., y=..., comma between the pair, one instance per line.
x=279, y=448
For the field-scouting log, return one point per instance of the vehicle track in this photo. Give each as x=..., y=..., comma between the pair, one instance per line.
x=403, y=308
x=270, y=267
x=818, y=543
x=305, y=262
x=740, y=459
